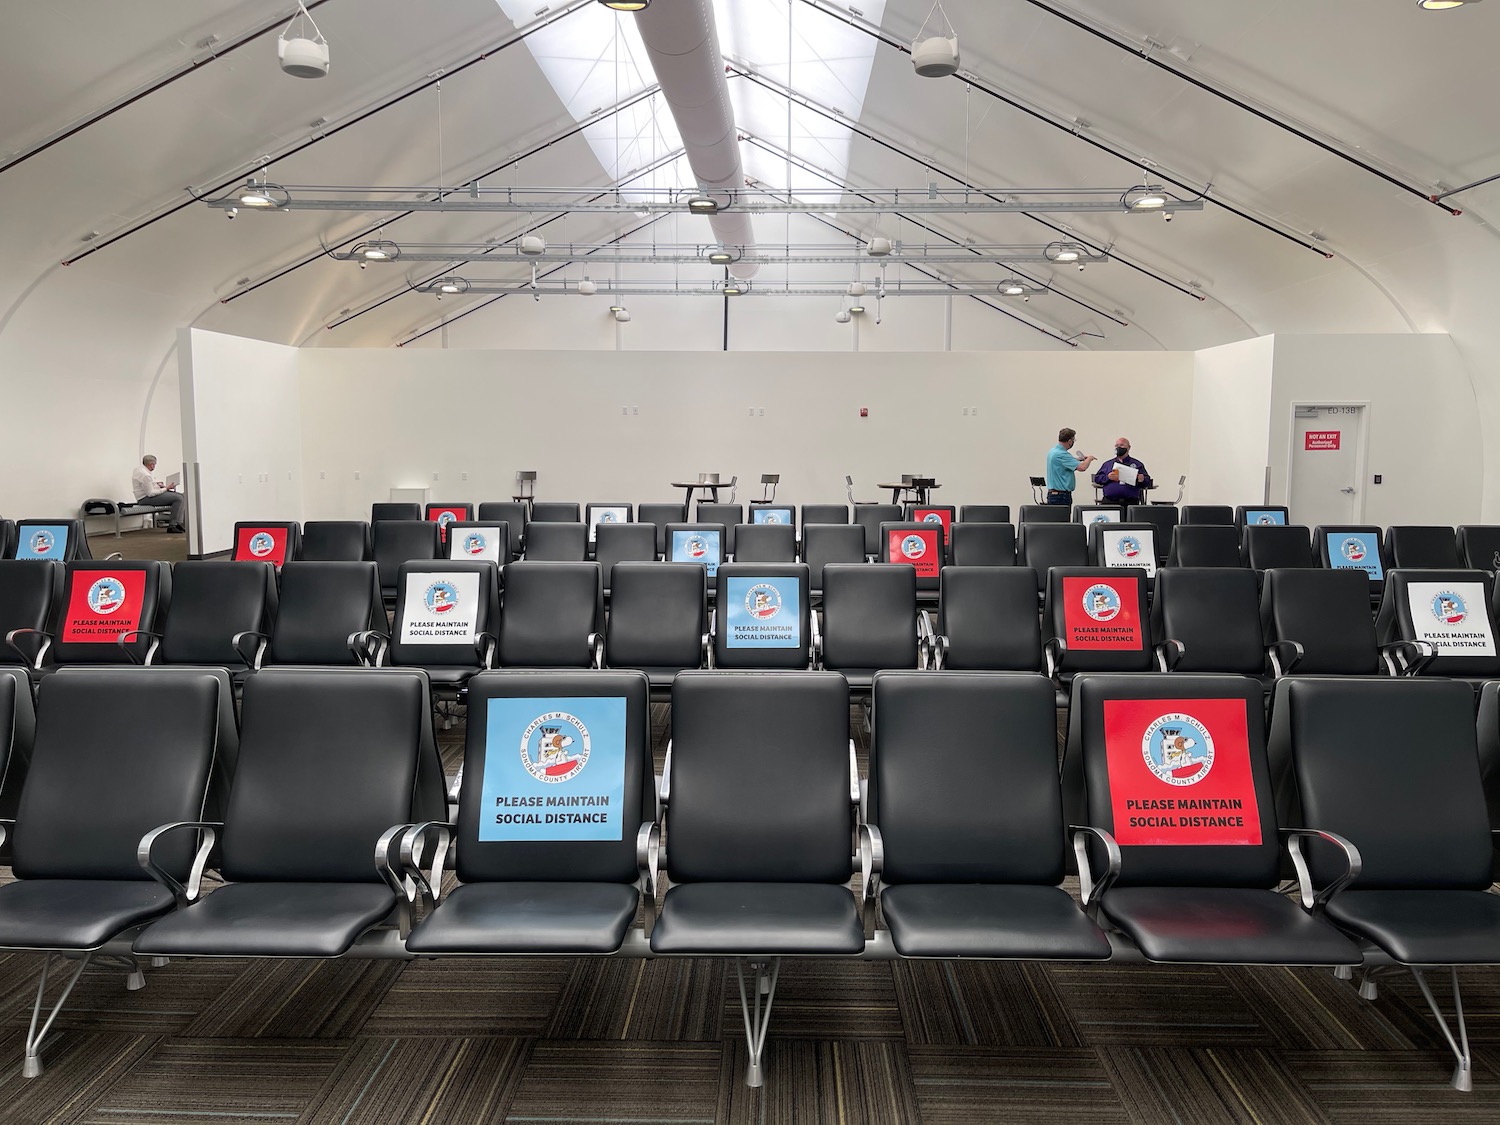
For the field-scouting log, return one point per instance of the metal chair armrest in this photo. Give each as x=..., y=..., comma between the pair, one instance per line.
x=871, y=864
x=664, y=787
x=123, y=640
x=706, y=648
x=184, y=894
x=6, y=824
x=596, y=650
x=415, y=887
x=854, y=795
x=1169, y=654
x=1053, y=651
x=815, y=648
x=487, y=644
x=252, y=662
x=1316, y=902
x=1092, y=887
x=369, y=647
x=1407, y=658
x=1273, y=650
x=34, y=661
x=648, y=862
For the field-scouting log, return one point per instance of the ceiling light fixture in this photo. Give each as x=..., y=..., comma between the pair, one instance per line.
x=1012, y=287
x=380, y=251
x=300, y=56
x=622, y=316
x=451, y=285
x=878, y=247
x=736, y=288
x=842, y=316
x=626, y=5
x=937, y=55
x=587, y=286
x=722, y=256
x=703, y=205
x=262, y=195
x=856, y=289
x=856, y=309
x=1063, y=252
x=1144, y=198
x=1443, y=5
x=533, y=244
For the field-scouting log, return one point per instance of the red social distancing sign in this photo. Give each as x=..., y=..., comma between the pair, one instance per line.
x=261, y=544
x=1101, y=613
x=921, y=548
x=443, y=517
x=104, y=604
x=1179, y=772
x=935, y=515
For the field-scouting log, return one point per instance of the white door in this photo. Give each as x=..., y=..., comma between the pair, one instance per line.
x=1327, y=442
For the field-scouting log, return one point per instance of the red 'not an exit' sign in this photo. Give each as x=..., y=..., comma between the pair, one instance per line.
x=1321, y=439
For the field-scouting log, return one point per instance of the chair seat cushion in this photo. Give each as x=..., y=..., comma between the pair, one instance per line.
x=271, y=920
x=1225, y=926
x=529, y=918
x=76, y=913
x=447, y=675
x=771, y=918
x=985, y=920
x=1424, y=927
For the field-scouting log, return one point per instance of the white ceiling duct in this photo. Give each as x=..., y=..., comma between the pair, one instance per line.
x=683, y=46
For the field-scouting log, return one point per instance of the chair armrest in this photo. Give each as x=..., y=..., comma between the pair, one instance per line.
x=1274, y=651
x=35, y=660
x=252, y=662
x=410, y=883
x=596, y=650
x=1091, y=886
x=187, y=894
x=1316, y=902
x=925, y=634
x=871, y=864
x=854, y=795
x=6, y=824
x=664, y=787
x=123, y=640
x=648, y=862
x=1053, y=651
x=487, y=645
x=1407, y=658
x=113, y=556
x=706, y=657
x=369, y=647
x=1169, y=654
x=815, y=648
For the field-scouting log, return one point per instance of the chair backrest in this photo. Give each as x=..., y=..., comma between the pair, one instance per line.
x=1120, y=545
x=551, y=609
x=1098, y=513
x=984, y=544
x=661, y=515
x=943, y=516
x=514, y=513
x=658, y=615
x=1163, y=517
x=1042, y=546
x=258, y=541
x=444, y=514
x=1100, y=616
x=1327, y=612
x=1429, y=547
x=599, y=515
x=1045, y=513
x=555, y=511
x=1351, y=548
x=477, y=540
x=1260, y=515
x=730, y=515
x=1215, y=613
x=554, y=541
x=988, y=614
x=701, y=543
x=824, y=513
x=992, y=812
x=62, y=540
x=211, y=602
x=984, y=513
x=824, y=543
x=560, y=722
x=1205, y=544
x=335, y=541
x=1450, y=610
x=770, y=513
x=97, y=784
x=7, y=539
x=17, y=734
x=760, y=785
x=869, y=616
x=30, y=598
x=444, y=609
x=1175, y=768
x=1489, y=752
x=1479, y=546
x=870, y=517
x=394, y=511
x=397, y=541
x=765, y=542
x=917, y=545
x=1198, y=514
x=322, y=603
x=1282, y=546
x=329, y=759
x=1393, y=768
x=101, y=600
x=761, y=618
x=623, y=542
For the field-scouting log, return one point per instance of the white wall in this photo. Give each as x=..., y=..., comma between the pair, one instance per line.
x=242, y=425
x=1231, y=423
x=399, y=418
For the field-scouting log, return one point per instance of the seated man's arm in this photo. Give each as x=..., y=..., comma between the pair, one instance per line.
x=1102, y=476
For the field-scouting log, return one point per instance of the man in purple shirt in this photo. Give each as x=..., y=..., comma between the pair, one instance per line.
x=1115, y=490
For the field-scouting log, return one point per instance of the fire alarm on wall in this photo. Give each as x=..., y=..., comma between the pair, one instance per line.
x=864, y=411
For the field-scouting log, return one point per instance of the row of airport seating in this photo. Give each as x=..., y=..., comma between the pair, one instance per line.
x=1180, y=811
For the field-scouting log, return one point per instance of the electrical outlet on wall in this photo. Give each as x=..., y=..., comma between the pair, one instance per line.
x=463, y=476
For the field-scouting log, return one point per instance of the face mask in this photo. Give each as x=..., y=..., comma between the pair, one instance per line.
x=1121, y=451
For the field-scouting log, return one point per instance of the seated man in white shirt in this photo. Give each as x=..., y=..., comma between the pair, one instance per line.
x=153, y=493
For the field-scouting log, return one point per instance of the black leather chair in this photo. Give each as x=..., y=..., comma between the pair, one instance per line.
x=555, y=511
x=30, y=601
x=1417, y=815
x=869, y=620
x=1488, y=728
x=1206, y=514
x=1261, y=515
x=1352, y=548
x=917, y=545
x=553, y=615
x=1045, y=513
x=941, y=515
x=554, y=541
x=658, y=621
x=7, y=539
x=17, y=733
x=1278, y=546
x=759, y=797
x=1095, y=619
x=539, y=890
x=1117, y=545
x=447, y=614
x=824, y=543
x=100, y=601
x=765, y=543
x=260, y=541
x=306, y=875
x=661, y=515
x=212, y=603
x=515, y=514
x=623, y=542
x=1318, y=623
x=601, y=514
x=1427, y=547
x=973, y=854
x=96, y=786
x=446, y=514
x=1449, y=610
x=335, y=541
x=321, y=607
x=1098, y=513
x=770, y=513
x=1041, y=546
x=1197, y=850
x=730, y=515
x=480, y=540
x=1479, y=546
x=393, y=511
x=397, y=541
x=824, y=513
x=1163, y=517
x=984, y=513
x=870, y=517
x=701, y=543
x=59, y=540
x=987, y=620
x=983, y=544
x=1207, y=619
x=1208, y=544
x=762, y=617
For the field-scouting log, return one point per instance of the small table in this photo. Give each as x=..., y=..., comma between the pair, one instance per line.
x=921, y=494
x=711, y=489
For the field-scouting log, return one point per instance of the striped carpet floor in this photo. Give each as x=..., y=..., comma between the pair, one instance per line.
x=570, y=1042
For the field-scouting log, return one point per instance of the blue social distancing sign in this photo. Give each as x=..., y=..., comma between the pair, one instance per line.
x=762, y=612
x=771, y=515
x=1256, y=516
x=43, y=541
x=1355, y=550
x=696, y=546
x=554, y=769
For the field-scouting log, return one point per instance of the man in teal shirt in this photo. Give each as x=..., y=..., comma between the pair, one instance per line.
x=1062, y=467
